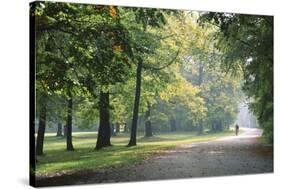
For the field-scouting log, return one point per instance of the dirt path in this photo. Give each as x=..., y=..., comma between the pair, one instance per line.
x=242, y=154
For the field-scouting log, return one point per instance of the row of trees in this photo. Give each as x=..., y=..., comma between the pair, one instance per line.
x=247, y=43
x=114, y=66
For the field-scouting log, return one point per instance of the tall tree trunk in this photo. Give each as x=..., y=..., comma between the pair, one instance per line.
x=173, y=124
x=103, y=139
x=69, y=145
x=148, y=128
x=41, y=131
x=117, y=128
x=59, y=131
x=133, y=139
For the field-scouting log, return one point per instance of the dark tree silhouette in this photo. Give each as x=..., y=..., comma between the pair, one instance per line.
x=41, y=131
x=69, y=145
x=133, y=139
x=103, y=139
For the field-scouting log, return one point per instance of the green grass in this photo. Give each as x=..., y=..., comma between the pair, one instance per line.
x=264, y=140
x=57, y=160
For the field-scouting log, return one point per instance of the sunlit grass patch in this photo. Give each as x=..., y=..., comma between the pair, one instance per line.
x=56, y=159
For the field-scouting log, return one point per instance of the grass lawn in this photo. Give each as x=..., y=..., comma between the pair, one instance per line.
x=57, y=160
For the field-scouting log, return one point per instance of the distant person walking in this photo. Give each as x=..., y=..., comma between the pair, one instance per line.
x=236, y=129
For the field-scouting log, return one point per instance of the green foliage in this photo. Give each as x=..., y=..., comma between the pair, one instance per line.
x=84, y=49
x=247, y=43
x=86, y=113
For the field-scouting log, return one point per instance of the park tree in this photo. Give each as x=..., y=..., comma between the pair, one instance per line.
x=57, y=112
x=202, y=65
x=153, y=85
x=221, y=92
x=182, y=93
x=112, y=56
x=122, y=99
x=144, y=43
x=52, y=68
x=247, y=43
x=95, y=37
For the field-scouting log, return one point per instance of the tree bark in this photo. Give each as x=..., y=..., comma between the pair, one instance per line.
x=41, y=131
x=103, y=139
x=59, y=131
x=148, y=128
x=69, y=145
x=133, y=138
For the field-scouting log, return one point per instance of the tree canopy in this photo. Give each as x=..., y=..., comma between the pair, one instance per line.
x=149, y=69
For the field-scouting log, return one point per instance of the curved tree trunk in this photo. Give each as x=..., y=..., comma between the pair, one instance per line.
x=69, y=145
x=148, y=128
x=133, y=138
x=41, y=131
x=103, y=139
x=59, y=131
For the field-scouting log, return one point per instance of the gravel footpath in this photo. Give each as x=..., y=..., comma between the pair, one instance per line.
x=243, y=154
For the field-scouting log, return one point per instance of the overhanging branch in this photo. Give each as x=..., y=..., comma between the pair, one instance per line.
x=162, y=67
